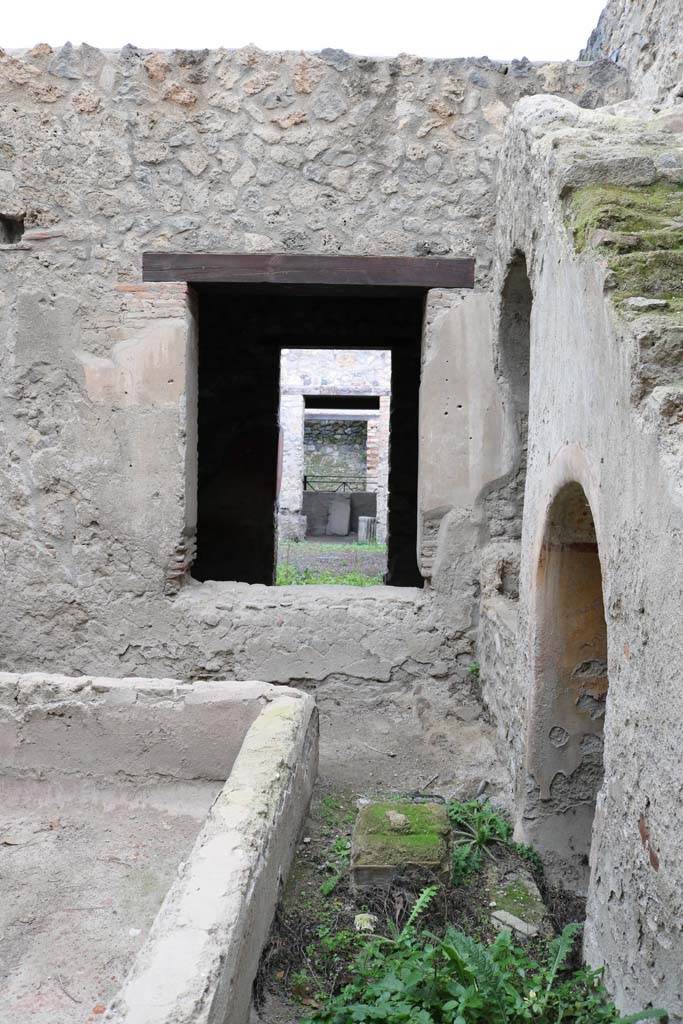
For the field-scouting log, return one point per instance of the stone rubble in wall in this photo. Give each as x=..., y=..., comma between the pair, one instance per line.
x=107, y=155
x=336, y=448
x=646, y=39
x=155, y=134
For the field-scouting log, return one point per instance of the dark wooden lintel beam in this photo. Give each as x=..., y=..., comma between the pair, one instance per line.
x=341, y=401
x=309, y=269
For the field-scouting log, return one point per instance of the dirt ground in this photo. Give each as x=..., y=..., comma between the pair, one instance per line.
x=400, y=737
x=83, y=872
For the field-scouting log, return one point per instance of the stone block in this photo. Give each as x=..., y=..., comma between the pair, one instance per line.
x=291, y=526
x=367, y=529
x=395, y=838
x=517, y=904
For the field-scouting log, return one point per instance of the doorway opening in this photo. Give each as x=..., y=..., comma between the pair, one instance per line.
x=565, y=751
x=244, y=493
x=332, y=501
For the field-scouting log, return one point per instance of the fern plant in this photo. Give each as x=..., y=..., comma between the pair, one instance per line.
x=420, y=979
x=421, y=904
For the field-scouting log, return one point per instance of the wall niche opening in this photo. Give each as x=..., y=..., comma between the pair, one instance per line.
x=514, y=342
x=11, y=228
x=243, y=330
x=565, y=745
x=514, y=350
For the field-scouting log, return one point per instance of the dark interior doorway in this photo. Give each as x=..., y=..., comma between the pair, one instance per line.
x=242, y=329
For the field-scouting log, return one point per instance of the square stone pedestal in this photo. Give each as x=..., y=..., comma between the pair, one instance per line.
x=397, y=837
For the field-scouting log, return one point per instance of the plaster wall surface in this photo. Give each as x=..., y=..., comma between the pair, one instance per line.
x=604, y=413
x=378, y=462
x=105, y=785
x=293, y=456
x=463, y=446
x=110, y=154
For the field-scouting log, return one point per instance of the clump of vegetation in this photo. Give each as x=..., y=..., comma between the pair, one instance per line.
x=288, y=575
x=478, y=828
x=337, y=863
x=421, y=951
x=327, y=957
x=335, y=812
x=417, y=978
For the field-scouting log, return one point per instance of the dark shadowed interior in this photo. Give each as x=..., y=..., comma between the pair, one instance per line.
x=241, y=332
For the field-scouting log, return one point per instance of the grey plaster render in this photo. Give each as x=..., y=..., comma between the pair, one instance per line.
x=599, y=417
x=153, y=754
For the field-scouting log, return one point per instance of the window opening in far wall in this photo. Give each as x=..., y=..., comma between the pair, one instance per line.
x=332, y=501
x=242, y=331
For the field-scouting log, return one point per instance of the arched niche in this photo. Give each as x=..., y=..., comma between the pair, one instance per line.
x=565, y=738
x=505, y=496
x=514, y=345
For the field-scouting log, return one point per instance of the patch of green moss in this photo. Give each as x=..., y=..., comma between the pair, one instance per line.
x=630, y=210
x=621, y=243
x=516, y=899
x=418, y=835
x=642, y=238
x=395, y=849
x=421, y=818
x=658, y=274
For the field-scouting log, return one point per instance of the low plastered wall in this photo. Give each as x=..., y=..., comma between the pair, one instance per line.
x=202, y=953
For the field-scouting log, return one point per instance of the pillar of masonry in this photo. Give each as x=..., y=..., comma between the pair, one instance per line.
x=291, y=521
x=378, y=463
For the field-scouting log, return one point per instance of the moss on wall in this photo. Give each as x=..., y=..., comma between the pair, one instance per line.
x=517, y=898
x=640, y=232
x=632, y=210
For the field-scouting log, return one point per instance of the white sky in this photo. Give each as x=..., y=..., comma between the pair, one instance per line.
x=537, y=29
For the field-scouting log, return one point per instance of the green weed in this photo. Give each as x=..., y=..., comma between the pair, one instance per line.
x=338, y=859
x=421, y=979
x=477, y=828
x=289, y=575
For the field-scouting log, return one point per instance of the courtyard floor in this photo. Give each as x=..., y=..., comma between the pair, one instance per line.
x=331, y=560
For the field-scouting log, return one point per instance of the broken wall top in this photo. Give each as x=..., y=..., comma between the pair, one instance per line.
x=113, y=153
x=646, y=39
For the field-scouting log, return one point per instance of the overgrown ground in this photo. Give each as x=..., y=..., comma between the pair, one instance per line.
x=349, y=563
x=315, y=939
x=426, y=740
